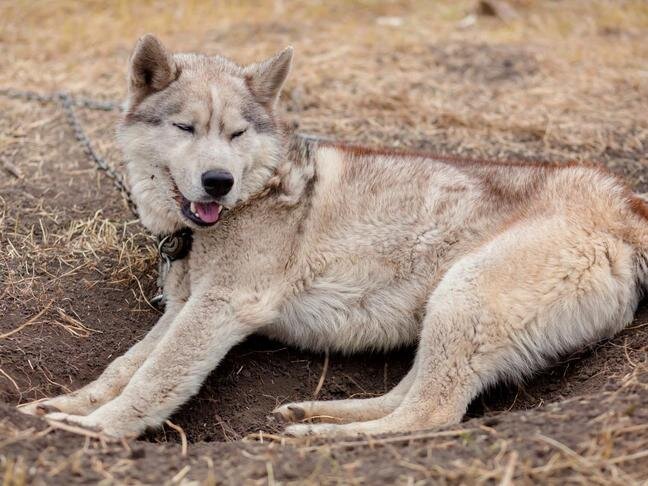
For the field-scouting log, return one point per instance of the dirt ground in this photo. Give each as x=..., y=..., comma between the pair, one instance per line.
x=559, y=80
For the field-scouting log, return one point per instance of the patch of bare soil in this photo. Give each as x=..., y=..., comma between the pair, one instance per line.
x=76, y=270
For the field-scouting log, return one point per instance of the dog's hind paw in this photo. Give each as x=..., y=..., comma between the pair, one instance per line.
x=322, y=430
x=289, y=413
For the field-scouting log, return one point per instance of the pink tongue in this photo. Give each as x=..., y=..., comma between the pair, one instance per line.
x=208, y=212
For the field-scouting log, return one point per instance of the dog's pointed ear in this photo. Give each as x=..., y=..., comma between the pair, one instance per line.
x=266, y=78
x=151, y=67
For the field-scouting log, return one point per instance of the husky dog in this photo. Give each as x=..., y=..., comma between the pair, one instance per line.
x=493, y=269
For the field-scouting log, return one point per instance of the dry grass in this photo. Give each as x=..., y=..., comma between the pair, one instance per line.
x=564, y=80
x=32, y=255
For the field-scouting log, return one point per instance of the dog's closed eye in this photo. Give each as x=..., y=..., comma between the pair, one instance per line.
x=238, y=133
x=184, y=127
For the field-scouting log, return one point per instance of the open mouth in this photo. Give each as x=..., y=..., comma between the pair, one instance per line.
x=201, y=213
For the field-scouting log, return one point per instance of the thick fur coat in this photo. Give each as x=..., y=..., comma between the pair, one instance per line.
x=492, y=269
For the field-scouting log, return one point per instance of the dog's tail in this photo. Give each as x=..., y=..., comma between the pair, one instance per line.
x=639, y=206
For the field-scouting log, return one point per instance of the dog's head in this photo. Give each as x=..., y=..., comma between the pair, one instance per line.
x=199, y=135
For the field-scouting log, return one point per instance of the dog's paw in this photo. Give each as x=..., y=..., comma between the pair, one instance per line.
x=75, y=403
x=112, y=429
x=323, y=430
x=290, y=412
x=38, y=408
x=299, y=430
x=85, y=422
x=320, y=430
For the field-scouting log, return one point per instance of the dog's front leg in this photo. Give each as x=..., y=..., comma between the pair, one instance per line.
x=203, y=332
x=118, y=373
x=110, y=383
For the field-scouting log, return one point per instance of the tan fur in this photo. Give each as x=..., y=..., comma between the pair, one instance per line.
x=494, y=269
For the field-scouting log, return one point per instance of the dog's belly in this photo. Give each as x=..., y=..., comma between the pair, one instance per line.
x=370, y=294
x=351, y=316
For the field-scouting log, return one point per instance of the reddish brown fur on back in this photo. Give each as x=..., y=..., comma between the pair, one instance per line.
x=638, y=206
x=359, y=150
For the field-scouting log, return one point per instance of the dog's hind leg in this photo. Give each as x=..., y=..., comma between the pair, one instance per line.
x=529, y=295
x=350, y=410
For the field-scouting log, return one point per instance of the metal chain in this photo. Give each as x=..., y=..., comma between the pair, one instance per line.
x=81, y=102
x=68, y=106
x=68, y=103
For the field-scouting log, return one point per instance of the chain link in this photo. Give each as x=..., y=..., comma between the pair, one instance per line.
x=68, y=103
x=81, y=102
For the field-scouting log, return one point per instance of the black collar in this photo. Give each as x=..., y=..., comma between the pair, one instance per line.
x=175, y=246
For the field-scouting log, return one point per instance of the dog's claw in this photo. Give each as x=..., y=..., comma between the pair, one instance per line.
x=276, y=417
x=44, y=409
x=289, y=413
x=298, y=413
x=38, y=408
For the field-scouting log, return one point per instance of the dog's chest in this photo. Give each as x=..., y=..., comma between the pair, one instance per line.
x=246, y=250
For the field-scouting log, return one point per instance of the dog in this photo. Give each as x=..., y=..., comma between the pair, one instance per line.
x=492, y=269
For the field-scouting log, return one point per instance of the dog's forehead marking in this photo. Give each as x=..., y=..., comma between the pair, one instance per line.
x=232, y=103
x=232, y=99
x=198, y=100
x=218, y=106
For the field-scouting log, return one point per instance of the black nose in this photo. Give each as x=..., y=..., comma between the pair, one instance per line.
x=217, y=182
